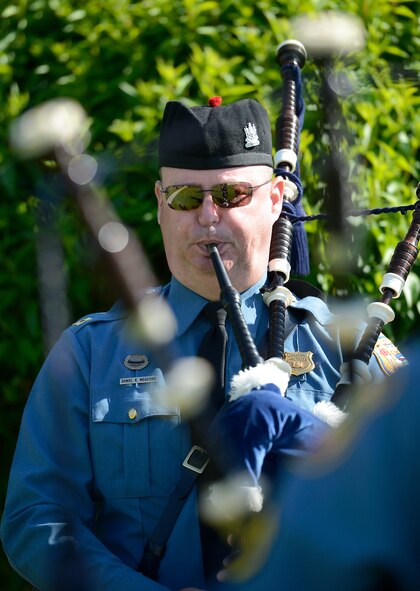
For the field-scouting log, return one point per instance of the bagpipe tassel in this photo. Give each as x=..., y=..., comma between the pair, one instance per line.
x=328, y=412
x=273, y=371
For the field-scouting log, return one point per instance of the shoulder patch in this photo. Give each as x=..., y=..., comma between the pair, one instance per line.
x=388, y=356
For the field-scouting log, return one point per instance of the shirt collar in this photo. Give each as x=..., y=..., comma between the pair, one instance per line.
x=317, y=308
x=187, y=304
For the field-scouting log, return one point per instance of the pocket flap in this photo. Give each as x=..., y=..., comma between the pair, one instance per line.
x=127, y=406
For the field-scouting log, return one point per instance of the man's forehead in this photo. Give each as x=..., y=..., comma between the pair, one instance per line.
x=218, y=174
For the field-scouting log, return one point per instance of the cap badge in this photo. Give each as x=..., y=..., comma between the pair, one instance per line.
x=251, y=136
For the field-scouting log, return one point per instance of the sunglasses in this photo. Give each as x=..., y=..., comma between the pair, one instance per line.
x=226, y=195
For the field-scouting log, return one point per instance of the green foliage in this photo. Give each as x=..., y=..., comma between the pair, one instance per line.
x=123, y=61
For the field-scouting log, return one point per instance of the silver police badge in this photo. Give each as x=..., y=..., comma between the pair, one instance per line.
x=136, y=361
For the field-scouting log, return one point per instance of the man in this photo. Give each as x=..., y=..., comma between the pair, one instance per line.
x=98, y=454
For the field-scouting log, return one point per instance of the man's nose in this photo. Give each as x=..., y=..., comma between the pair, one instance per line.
x=207, y=212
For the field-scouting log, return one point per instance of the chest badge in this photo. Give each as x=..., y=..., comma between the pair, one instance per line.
x=300, y=361
x=136, y=362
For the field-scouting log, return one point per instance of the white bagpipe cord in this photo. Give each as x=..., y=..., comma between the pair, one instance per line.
x=328, y=412
x=273, y=371
x=277, y=371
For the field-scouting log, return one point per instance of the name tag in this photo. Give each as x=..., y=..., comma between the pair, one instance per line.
x=138, y=380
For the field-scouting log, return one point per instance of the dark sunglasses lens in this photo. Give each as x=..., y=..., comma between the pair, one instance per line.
x=187, y=197
x=184, y=197
x=236, y=195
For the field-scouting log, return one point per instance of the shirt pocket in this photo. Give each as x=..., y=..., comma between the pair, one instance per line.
x=136, y=444
x=307, y=389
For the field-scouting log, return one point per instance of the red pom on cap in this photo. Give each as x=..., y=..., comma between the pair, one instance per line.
x=215, y=101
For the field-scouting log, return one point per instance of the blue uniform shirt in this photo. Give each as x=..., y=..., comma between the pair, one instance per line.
x=98, y=456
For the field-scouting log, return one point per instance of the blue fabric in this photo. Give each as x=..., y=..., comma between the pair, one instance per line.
x=259, y=423
x=88, y=482
x=351, y=520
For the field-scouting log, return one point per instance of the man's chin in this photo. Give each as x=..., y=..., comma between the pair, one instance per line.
x=207, y=266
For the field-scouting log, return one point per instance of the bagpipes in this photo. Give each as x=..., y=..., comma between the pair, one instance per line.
x=257, y=410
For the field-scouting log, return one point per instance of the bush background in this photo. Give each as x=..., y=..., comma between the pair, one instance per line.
x=123, y=61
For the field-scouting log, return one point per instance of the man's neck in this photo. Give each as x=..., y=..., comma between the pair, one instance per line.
x=211, y=291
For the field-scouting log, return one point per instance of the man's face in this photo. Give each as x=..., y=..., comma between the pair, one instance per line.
x=241, y=234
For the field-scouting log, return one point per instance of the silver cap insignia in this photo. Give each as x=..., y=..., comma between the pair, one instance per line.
x=251, y=136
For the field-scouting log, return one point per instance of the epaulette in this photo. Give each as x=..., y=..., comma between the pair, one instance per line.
x=117, y=312
x=110, y=316
x=82, y=321
x=303, y=289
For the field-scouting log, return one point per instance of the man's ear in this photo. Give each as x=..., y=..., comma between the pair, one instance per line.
x=158, y=193
x=277, y=190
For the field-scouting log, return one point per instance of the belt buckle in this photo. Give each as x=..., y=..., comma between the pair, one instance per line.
x=199, y=469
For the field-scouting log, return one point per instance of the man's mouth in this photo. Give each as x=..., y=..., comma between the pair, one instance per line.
x=204, y=246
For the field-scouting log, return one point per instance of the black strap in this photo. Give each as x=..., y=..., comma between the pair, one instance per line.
x=212, y=348
x=194, y=464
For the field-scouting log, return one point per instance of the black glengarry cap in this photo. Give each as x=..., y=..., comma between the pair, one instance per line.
x=208, y=137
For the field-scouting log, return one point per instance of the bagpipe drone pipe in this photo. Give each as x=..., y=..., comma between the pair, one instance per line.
x=257, y=419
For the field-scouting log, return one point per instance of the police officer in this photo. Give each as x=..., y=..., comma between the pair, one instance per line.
x=98, y=455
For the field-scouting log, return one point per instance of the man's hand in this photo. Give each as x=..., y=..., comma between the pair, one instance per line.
x=233, y=541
